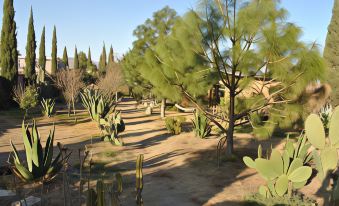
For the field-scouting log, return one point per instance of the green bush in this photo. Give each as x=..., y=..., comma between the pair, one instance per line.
x=27, y=98
x=201, y=125
x=173, y=124
x=294, y=200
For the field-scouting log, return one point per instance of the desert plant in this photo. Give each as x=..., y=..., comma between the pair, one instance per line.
x=325, y=115
x=201, y=125
x=296, y=199
x=27, y=98
x=173, y=124
x=139, y=179
x=284, y=172
x=112, y=126
x=325, y=153
x=40, y=163
x=47, y=106
x=97, y=105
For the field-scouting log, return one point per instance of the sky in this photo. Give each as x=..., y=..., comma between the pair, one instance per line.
x=89, y=23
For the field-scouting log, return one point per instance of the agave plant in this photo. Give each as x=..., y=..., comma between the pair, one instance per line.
x=47, y=106
x=40, y=165
x=97, y=105
x=112, y=126
x=283, y=172
x=201, y=125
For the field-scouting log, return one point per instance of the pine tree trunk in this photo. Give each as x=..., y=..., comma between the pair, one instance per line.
x=163, y=108
x=230, y=130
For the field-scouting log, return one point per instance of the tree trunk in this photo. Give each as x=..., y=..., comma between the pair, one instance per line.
x=230, y=130
x=69, y=109
x=163, y=108
x=116, y=97
x=74, y=112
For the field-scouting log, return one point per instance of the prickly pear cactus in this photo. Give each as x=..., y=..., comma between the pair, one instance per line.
x=325, y=153
x=283, y=172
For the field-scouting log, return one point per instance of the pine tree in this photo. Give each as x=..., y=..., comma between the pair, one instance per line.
x=54, y=53
x=103, y=61
x=42, y=51
x=65, y=58
x=8, y=51
x=111, y=56
x=331, y=53
x=76, y=60
x=30, y=59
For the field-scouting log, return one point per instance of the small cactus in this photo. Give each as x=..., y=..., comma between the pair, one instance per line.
x=139, y=180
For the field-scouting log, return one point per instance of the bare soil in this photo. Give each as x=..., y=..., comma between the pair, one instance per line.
x=178, y=169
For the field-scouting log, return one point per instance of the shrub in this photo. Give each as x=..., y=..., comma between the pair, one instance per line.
x=201, y=125
x=27, y=98
x=47, y=106
x=173, y=124
x=40, y=163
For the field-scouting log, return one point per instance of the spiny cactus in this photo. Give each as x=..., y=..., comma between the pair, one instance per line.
x=40, y=163
x=201, y=125
x=173, y=124
x=139, y=180
x=112, y=126
x=47, y=106
x=283, y=172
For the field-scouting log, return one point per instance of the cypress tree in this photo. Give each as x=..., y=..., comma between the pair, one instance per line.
x=54, y=53
x=8, y=51
x=111, y=56
x=331, y=53
x=65, y=58
x=30, y=59
x=103, y=61
x=42, y=51
x=90, y=66
x=76, y=60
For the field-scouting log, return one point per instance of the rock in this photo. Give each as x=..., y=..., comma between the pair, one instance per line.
x=148, y=111
x=31, y=200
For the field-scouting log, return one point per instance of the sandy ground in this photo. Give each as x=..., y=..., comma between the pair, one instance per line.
x=178, y=170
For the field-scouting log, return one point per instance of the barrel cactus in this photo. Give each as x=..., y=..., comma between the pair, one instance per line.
x=40, y=164
x=47, y=106
x=283, y=172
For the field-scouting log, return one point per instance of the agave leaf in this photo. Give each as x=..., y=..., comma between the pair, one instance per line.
x=118, y=177
x=27, y=175
x=315, y=131
x=281, y=185
x=249, y=162
x=300, y=174
x=49, y=150
x=15, y=151
x=334, y=128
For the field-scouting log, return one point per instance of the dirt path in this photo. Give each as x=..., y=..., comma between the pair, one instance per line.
x=178, y=170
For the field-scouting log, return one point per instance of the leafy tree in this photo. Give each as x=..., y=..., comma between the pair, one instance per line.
x=65, y=58
x=331, y=53
x=111, y=56
x=76, y=60
x=148, y=35
x=26, y=97
x=30, y=58
x=54, y=53
x=103, y=61
x=251, y=48
x=82, y=60
x=42, y=52
x=91, y=68
x=8, y=49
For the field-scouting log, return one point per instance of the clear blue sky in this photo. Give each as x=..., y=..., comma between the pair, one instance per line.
x=90, y=23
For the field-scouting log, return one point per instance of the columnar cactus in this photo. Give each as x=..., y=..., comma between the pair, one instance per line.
x=139, y=179
x=283, y=172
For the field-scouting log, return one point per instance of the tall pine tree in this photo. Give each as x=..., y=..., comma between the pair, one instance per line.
x=30, y=59
x=76, y=60
x=8, y=51
x=65, y=58
x=103, y=61
x=54, y=53
x=331, y=53
x=42, y=51
x=111, y=56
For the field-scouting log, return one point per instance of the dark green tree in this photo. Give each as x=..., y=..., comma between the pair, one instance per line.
x=331, y=53
x=91, y=68
x=251, y=48
x=54, y=53
x=82, y=60
x=8, y=49
x=42, y=51
x=76, y=59
x=65, y=58
x=111, y=56
x=30, y=58
x=103, y=61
